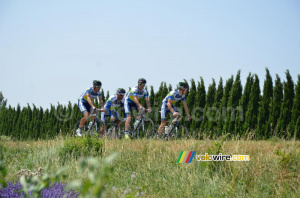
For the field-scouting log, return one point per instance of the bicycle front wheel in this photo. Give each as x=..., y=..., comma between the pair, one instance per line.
x=76, y=126
x=112, y=132
x=181, y=132
x=146, y=129
x=121, y=130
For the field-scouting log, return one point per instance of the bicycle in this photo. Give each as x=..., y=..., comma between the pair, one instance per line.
x=94, y=128
x=175, y=130
x=143, y=128
x=111, y=129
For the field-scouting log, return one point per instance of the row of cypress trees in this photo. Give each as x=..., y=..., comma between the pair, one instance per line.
x=232, y=108
x=226, y=107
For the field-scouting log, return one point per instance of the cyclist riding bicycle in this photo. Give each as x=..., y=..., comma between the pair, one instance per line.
x=169, y=101
x=86, y=105
x=110, y=108
x=132, y=103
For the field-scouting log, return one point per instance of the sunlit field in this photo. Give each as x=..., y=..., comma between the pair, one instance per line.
x=148, y=168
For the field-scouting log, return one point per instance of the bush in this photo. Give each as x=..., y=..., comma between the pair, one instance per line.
x=77, y=147
x=5, y=138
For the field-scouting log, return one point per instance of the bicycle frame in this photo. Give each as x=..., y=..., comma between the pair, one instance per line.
x=112, y=128
x=174, y=127
x=141, y=124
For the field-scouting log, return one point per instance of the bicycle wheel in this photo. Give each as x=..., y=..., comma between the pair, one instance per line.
x=112, y=131
x=76, y=126
x=177, y=132
x=148, y=129
x=121, y=129
x=181, y=132
x=84, y=128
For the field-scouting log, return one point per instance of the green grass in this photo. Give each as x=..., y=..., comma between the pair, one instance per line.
x=148, y=167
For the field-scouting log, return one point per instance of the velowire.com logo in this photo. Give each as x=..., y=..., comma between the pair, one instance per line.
x=187, y=157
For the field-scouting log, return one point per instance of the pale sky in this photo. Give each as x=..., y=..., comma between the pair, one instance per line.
x=51, y=51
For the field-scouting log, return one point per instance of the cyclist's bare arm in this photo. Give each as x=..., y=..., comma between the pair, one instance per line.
x=136, y=101
x=186, y=109
x=148, y=104
x=90, y=101
x=169, y=104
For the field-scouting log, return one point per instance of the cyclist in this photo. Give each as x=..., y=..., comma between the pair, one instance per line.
x=132, y=103
x=169, y=101
x=110, y=108
x=86, y=105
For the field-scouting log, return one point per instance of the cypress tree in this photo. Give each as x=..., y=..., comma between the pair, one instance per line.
x=35, y=122
x=192, y=95
x=159, y=96
x=253, y=105
x=107, y=95
x=197, y=111
x=190, y=101
x=9, y=121
x=296, y=110
x=208, y=105
x=240, y=117
x=46, y=124
x=40, y=123
x=165, y=91
x=27, y=123
x=2, y=116
x=263, y=126
x=246, y=94
x=1, y=98
x=53, y=121
x=151, y=96
x=215, y=111
x=170, y=88
x=103, y=97
x=287, y=105
x=233, y=103
x=17, y=122
x=223, y=106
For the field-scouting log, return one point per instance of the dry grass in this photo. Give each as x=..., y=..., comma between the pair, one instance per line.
x=148, y=168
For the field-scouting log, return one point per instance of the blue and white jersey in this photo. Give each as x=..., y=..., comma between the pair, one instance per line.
x=135, y=92
x=113, y=103
x=174, y=96
x=93, y=94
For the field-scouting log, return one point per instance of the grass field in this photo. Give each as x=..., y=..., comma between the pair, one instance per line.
x=148, y=168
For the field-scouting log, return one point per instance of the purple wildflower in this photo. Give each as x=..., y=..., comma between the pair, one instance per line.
x=11, y=191
x=54, y=191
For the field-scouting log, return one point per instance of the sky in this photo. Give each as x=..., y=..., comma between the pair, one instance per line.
x=51, y=51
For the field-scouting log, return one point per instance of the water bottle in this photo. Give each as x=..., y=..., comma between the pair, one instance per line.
x=167, y=129
x=90, y=125
x=109, y=130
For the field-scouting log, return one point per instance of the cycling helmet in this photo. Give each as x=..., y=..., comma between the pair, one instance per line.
x=97, y=83
x=120, y=91
x=183, y=85
x=142, y=81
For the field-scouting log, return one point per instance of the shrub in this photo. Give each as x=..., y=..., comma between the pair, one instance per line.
x=81, y=147
x=5, y=138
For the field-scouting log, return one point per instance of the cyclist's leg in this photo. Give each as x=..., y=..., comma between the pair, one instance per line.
x=84, y=108
x=135, y=112
x=128, y=116
x=117, y=117
x=164, y=113
x=103, y=119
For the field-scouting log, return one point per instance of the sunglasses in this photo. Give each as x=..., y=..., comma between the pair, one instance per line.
x=142, y=85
